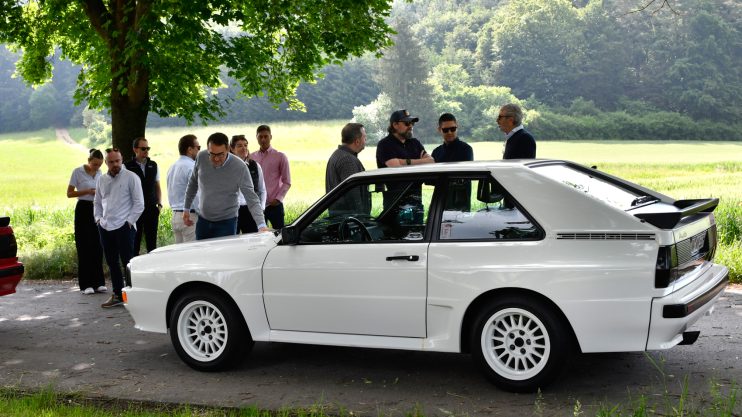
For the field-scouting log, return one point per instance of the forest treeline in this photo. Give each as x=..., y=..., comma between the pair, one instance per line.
x=582, y=69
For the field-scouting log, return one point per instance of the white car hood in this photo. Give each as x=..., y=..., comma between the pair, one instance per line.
x=213, y=254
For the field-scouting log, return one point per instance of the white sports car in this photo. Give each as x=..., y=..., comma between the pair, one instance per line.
x=520, y=263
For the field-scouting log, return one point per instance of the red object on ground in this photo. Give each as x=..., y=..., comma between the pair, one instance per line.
x=11, y=270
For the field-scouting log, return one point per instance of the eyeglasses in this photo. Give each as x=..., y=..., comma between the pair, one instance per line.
x=144, y=148
x=408, y=124
x=502, y=116
x=219, y=155
x=109, y=150
x=448, y=129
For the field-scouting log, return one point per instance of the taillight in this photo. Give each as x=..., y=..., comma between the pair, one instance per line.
x=684, y=257
x=667, y=266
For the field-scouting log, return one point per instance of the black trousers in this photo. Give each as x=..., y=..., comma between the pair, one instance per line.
x=274, y=214
x=89, y=250
x=147, y=225
x=117, y=246
x=245, y=222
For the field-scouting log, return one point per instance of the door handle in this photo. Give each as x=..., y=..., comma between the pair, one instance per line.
x=411, y=258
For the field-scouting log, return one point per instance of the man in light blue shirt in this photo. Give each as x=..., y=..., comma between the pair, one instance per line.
x=117, y=205
x=177, y=182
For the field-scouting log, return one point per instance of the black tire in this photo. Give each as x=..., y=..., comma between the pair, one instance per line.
x=520, y=344
x=208, y=331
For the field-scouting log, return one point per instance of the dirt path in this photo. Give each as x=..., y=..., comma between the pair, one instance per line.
x=51, y=334
x=64, y=136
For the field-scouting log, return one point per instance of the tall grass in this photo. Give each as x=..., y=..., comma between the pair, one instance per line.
x=36, y=169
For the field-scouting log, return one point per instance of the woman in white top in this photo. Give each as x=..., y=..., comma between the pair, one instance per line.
x=87, y=240
x=245, y=222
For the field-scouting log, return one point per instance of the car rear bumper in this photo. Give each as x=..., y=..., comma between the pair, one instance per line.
x=10, y=276
x=675, y=313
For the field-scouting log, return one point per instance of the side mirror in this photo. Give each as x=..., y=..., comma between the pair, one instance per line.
x=289, y=235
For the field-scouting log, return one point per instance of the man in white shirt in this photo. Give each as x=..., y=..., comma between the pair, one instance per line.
x=118, y=204
x=177, y=182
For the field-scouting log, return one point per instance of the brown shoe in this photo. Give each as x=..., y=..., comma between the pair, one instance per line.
x=114, y=301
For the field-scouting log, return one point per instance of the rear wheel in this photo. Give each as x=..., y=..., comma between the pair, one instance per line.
x=208, y=331
x=520, y=344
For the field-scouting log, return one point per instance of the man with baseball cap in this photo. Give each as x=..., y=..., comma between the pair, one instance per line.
x=399, y=148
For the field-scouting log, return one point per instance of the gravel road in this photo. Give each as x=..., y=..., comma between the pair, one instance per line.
x=50, y=334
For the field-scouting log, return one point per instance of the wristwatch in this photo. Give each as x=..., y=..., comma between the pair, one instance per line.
x=409, y=162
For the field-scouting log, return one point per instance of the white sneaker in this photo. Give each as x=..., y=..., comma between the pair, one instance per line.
x=88, y=291
x=102, y=288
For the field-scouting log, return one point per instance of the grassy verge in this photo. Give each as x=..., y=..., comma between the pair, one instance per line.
x=47, y=244
x=720, y=401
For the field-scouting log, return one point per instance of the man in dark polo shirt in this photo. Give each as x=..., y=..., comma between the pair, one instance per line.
x=149, y=175
x=453, y=149
x=399, y=148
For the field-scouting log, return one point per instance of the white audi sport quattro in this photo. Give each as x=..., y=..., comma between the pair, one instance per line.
x=520, y=263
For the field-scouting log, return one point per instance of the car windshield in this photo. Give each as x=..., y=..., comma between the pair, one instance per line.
x=611, y=193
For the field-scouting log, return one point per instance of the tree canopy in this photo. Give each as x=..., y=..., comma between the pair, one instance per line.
x=138, y=56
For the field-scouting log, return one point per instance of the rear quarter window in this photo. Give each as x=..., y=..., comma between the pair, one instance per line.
x=608, y=192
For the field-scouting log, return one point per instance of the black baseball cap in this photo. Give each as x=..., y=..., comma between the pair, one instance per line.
x=402, y=116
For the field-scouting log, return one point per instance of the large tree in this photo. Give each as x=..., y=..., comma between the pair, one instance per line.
x=165, y=56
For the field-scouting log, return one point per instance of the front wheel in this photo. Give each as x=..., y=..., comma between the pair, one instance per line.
x=208, y=332
x=520, y=344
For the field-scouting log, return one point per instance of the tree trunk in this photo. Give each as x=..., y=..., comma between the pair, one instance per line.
x=128, y=122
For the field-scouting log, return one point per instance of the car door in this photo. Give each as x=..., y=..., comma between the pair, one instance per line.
x=359, y=265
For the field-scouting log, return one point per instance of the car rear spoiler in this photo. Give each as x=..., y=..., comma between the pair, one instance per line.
x=668, y=220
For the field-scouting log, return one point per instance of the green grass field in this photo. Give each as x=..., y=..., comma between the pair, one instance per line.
x=36, y=167
x=35, y=170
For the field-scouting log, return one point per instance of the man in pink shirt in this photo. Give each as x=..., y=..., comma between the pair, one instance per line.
x=276, y=173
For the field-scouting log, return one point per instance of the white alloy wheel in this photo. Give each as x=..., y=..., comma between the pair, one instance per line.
x=515, y=344
x=202, y=330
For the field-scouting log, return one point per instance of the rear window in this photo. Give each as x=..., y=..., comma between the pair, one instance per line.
x=614, y=194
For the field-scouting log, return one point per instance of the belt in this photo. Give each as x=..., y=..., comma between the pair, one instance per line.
x=180, y=211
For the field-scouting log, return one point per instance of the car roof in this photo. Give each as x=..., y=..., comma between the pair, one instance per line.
x=454, y=167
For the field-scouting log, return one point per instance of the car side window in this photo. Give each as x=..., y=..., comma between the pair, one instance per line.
x=378, y=211
x=479, y=209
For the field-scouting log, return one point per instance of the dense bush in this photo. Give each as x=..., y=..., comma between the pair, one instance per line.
x=547, y=124
x=46, y=241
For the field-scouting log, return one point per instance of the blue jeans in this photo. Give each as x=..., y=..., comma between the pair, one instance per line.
x=274, y=215
x=117, y=244
x=206, y=229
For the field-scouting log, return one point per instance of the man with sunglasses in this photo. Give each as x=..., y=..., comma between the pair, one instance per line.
x=218, y=177
x=399, y=148
x=453, y=149
x=177, y=182
x=149, y=175
x=519, y=144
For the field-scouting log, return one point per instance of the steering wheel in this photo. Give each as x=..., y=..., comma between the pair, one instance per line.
x=345, y=224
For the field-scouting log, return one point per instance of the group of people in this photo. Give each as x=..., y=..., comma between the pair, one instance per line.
x=225, y=189
x=215, y=192
x=399, y=148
